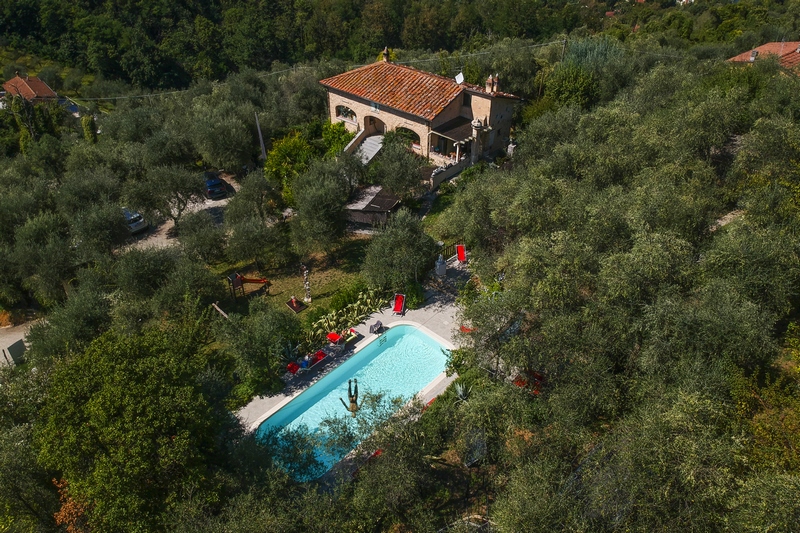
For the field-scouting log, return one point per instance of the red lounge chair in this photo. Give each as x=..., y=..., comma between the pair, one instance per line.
x=319, y=356
x=293, y=367
x=334, y=337
x=461, y=253
x=399, y=307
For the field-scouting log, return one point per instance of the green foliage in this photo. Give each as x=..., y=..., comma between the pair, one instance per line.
x=572, y=84
x=35, y=120
x=127, y=425
x=139, y=273
x=347, y=295
x=42, y=256
x=638, y=259
x=256, y=198
x=399, y=254
x=365, y=303
x=253, y=218
x=767, y=503
x=336, y=137
x=70, y=327
x=288, y=158
x=320, y=196
x=680, y=449
x=26, y=492
x=89, y=128
x=201, y=237
x=396, y=167
x=165, y=192
x=261, y=342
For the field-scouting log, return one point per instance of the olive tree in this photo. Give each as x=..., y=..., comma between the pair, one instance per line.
x=399, y=253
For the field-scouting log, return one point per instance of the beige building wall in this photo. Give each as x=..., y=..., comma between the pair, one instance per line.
x=497, y=111
x=481, y=107
x=375, y=121
x=502, y=111
x=454, y=110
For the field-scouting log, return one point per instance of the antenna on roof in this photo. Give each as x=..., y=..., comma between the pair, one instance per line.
x=460, y=77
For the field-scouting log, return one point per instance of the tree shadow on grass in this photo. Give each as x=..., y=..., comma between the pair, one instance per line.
x=350, y=255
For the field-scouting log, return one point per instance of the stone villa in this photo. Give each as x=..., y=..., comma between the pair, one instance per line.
x=450, y=122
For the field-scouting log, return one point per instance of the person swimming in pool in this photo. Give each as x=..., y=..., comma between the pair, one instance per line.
x=353, y=397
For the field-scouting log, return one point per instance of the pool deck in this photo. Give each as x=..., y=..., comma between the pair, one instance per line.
x=437, y=318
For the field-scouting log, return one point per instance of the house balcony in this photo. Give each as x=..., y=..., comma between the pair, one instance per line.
x=442, y=160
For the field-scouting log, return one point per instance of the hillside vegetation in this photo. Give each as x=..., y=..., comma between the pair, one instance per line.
x=159, y=44
x=631, y=360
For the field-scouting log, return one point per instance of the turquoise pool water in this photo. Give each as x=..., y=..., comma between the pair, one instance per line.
x=401, y=362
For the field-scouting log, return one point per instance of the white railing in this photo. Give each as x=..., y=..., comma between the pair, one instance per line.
x=353, y=144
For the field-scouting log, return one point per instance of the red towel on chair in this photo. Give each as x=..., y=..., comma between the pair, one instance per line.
x=399, y=301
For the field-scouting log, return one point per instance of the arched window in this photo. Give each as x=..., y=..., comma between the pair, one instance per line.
x=345, y=113
x=410, y=135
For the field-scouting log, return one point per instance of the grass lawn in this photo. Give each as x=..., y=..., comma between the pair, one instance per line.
x=327, y=275
x=440, y=204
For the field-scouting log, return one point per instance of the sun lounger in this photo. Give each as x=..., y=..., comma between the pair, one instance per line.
x=312, y=360
x=317, y=357
x=376, y=328
x=399, y=307
x=293, y=367
x=461, y=253
x=334, y=338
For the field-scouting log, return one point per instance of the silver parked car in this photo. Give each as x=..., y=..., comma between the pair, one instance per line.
x=136, y=222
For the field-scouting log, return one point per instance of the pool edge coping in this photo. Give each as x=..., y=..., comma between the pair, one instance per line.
x=437, y=381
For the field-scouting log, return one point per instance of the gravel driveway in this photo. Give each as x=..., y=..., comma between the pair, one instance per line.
x=160, y=236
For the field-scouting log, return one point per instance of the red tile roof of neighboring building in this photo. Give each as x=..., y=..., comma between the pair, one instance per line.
x=403, y=88
x=29, y=87
x=787, y=53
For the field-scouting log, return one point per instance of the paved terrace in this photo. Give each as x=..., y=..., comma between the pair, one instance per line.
x=436, y=318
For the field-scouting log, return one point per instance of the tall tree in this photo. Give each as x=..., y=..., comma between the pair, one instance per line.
x=396, y=167
x=320, y=197
x=399, y=254
x=128, y=426
x=165, y=192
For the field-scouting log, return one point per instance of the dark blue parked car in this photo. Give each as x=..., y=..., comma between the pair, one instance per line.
x=215, y=187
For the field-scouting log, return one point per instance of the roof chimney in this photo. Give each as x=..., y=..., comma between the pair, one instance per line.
x=496, y=84
x=753, y=55
x=386, y=53
x=489, y=84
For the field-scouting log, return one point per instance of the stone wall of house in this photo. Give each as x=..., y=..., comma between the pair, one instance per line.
x=497, y=111
x=502, y=114
x=453, y=110
x=390, y=119
x=482, y=107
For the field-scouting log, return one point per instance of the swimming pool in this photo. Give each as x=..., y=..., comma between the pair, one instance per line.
x=401, y=362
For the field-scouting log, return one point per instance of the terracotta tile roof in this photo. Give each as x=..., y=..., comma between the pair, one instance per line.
x=403, y=88
x=29, y=87
x=787, y=53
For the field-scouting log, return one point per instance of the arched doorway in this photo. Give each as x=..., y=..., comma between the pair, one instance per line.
x=410, y=135
x=374, y=126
